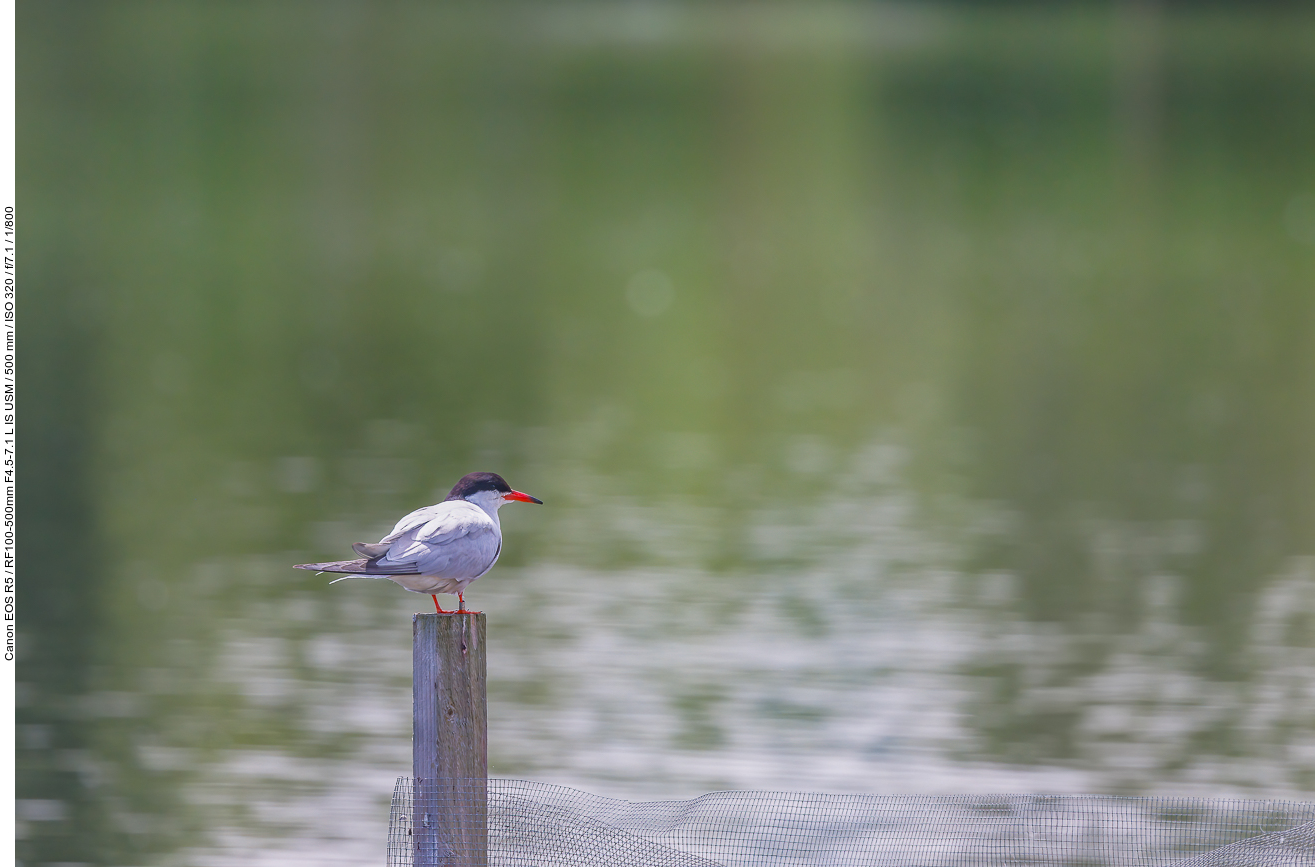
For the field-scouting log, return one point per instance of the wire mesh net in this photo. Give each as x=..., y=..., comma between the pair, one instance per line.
x=400, y=848
x=537, y=824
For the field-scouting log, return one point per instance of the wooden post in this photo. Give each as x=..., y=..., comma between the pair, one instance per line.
x=450, y=746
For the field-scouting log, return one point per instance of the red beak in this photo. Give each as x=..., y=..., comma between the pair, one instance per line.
x=521, y=498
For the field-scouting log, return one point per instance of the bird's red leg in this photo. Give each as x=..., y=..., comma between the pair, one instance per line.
x=461, y=603
x=436, y=606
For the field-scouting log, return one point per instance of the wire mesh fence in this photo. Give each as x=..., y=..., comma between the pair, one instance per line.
x=401, y=851
x=537, y=824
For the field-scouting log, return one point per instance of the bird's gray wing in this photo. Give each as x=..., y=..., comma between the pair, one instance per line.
x=396, y=553
x=427, y=515
x=475, y=554
x=423, y=541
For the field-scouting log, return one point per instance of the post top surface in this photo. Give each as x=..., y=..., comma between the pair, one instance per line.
x=419, y=616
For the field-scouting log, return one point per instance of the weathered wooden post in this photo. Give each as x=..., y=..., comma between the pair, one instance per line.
x=449, y=823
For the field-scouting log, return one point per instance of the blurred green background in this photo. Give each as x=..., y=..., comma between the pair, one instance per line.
x=923, y=399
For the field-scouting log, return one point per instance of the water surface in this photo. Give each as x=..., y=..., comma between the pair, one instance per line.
x=922, y=402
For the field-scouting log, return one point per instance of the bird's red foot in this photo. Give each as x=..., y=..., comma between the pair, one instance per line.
x=438, y=607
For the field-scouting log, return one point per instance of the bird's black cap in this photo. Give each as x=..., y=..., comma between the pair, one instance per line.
x=474, y=482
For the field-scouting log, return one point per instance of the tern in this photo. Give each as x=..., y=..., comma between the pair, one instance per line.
x=441, y=548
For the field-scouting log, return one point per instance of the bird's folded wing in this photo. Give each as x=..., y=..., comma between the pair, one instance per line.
x=423, y=540
x=436, y=523
x=473, y=557
x=423, y=516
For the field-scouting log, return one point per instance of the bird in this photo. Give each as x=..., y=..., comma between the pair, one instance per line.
x=441, y=548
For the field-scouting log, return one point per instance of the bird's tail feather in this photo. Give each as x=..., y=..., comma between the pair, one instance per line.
x=354, y=566
x=361, y=568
